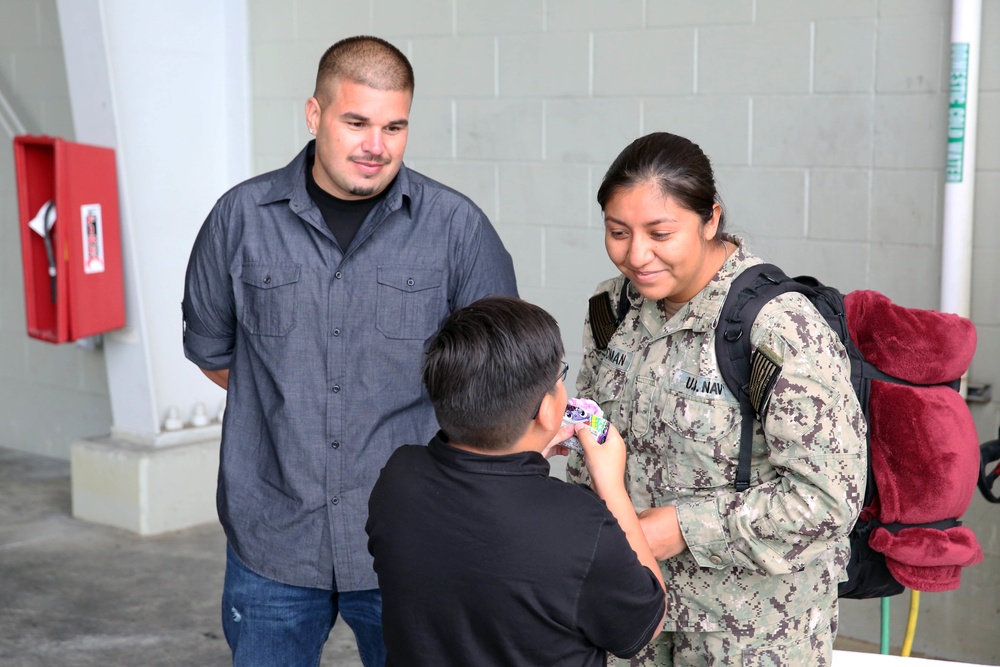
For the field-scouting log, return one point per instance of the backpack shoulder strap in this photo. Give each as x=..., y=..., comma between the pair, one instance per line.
x=605, y=318
x=748, y=375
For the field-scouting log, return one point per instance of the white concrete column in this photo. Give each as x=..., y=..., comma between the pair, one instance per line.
x=166, y=84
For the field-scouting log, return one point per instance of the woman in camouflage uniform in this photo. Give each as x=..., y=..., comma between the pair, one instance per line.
x=751, y=577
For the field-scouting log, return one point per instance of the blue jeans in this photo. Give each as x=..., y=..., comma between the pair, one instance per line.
x=269, y=623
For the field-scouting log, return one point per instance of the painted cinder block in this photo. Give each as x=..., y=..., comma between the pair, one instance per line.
x=544, y=193
x=918, y=287
x=767, y=58
x=576, y=259
x=284, y=69
x=412, y=19
x=668, y=56
x=814, y=10
x=719, y=124
x=764, y=201
x=987, y=208
x=478, y=17
x=912, y=56
x=525, y=243
x=989, y=55
x=812, y=131
x=911, y=130
x=701, y=13
x=37, y=73
x=566, y=15
x=19, y=26
x=844, y=56
x=590, y=130
x=272, y=21
x=893, y=8
x=906, y=205
x=985, y=312
x=330, y=20
x=843, y=265
x=279, y=125
x=988, y=140
x=454, y=67
x=839, y=204
x=549, y=65
x=430, y=129
x=499, y=129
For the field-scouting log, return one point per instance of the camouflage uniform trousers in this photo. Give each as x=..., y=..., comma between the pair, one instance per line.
x=802, y=641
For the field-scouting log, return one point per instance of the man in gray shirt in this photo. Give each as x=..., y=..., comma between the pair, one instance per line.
x=310, y=293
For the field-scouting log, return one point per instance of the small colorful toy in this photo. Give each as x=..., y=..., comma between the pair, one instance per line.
x=585, y=411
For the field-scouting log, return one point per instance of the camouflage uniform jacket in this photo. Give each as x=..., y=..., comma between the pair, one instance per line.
x=781, y=546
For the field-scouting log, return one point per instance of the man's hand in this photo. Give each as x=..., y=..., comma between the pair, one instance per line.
x=220, y=378
x=662, y=531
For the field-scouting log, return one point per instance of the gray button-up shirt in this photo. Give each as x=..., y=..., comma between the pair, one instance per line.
x=324, y=351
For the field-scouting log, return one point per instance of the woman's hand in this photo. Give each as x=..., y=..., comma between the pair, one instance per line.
x=662, y=531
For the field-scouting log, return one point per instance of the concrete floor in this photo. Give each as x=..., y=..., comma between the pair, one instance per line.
x=75, y=594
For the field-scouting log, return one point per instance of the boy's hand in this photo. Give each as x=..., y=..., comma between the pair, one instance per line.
x=554, y=448
x=606, y=463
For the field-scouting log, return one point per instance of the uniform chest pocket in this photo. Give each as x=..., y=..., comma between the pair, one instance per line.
x=609, y=384
x=411, y=302
x=703, y=439
x=266, y=298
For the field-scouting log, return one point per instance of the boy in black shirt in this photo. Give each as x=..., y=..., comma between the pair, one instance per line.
x=482, y=557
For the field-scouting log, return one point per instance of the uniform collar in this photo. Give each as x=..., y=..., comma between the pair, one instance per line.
x=700, y=313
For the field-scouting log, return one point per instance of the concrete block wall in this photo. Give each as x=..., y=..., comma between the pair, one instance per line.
x=49, y=394
x=825, y=121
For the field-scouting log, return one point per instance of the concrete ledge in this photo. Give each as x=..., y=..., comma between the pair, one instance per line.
x=143, y=488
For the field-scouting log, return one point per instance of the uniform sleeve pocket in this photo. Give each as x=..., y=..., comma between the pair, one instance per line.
x=411, y=301
x=266, y=298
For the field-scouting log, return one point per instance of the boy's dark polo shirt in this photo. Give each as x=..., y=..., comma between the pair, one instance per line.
x=487, y=560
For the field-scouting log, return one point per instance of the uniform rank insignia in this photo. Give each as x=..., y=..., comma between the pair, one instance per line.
x=765, y=366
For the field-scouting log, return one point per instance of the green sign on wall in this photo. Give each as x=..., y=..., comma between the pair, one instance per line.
x=956, y=111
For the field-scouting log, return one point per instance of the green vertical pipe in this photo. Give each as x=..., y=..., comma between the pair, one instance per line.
x=884, y=644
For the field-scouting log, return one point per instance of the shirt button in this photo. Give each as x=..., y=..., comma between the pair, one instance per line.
x=409, y=281
x=335, y=500
x=338, y=275
x=335, y=444
x=716, y=559
x=336, y=332
x=267, y=280
x=336, y=388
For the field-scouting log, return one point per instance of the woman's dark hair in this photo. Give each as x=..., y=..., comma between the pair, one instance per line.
x=487, y=369
x=677, y=166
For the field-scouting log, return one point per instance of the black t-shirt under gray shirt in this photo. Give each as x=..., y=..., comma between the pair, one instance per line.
x=342, y=216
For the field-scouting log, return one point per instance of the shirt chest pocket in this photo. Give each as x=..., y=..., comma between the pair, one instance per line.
x=411, y=302
x=702, y=440
x=266, y=298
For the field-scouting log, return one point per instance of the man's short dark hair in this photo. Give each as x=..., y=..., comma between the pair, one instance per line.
x=488, y=368
x=370, y=61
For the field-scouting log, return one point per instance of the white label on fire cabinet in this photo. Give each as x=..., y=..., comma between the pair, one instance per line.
x=93, y=238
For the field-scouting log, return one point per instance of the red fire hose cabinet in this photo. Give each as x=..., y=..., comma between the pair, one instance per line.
x=70, y=238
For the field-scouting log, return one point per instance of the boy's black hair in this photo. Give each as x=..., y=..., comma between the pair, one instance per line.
x=488, y=368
